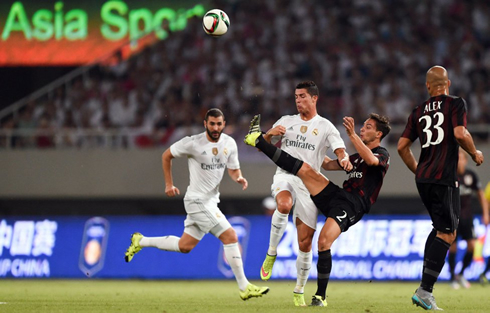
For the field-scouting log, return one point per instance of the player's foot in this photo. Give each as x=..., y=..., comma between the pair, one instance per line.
x=425, y=300
x=266, y=269
x=254, y=132
x=455, y=285
x=134, y=247
x=462, y=281
x=253, y=291
x=318, y=301
x=299, y=299
x=483, y=279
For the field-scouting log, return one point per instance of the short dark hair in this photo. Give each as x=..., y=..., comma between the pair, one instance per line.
x=382, y=124
x=310, y=87
x=214, y=113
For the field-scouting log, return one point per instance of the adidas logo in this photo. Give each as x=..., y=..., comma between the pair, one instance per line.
x=204, y=153
x=290, y=128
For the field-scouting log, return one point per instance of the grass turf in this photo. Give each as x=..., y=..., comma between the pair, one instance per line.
x=222, y=296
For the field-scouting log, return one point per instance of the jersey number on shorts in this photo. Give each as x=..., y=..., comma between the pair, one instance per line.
x=428, y=130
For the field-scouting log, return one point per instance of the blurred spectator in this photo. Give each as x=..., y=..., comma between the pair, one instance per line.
x=366, y=56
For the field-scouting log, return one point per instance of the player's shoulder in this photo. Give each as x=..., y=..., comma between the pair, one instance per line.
x=381, y=150
x=288, y=118
x=227, y=138
x=322, y=119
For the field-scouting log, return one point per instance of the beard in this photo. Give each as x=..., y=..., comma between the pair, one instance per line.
x=213, y=135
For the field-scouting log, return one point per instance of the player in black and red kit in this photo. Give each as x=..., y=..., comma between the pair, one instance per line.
x=342, y=207
x=469, y=184
x=440, y=125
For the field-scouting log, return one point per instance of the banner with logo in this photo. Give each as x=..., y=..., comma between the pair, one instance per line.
x=378, y=247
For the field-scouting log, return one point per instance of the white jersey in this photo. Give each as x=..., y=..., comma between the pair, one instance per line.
x=207, y=162
x=308, y=141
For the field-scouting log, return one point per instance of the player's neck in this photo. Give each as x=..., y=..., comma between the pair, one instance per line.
x=307, y=116
x=439, y=92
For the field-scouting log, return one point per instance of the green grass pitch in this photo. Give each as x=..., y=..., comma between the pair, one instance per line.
x=166, y=296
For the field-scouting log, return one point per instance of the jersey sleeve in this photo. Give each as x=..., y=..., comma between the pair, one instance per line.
x=183, y=147
x=233, y=162
x=383, y=157
x=487, y=192
x=458, y=112
x=410, y=131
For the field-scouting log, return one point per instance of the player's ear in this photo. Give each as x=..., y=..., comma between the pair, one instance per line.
x=448, y=83
x=205, y=124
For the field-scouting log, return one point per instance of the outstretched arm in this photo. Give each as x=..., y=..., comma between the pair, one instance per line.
x=364, y=152
x=170, y=189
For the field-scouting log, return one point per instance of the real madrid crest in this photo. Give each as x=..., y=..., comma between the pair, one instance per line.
x=315, y=132
x=303, y=129
x=215, y=151
x=225, y=151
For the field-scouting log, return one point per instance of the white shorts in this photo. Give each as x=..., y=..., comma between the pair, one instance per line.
x=204, y=216
x=303, y=206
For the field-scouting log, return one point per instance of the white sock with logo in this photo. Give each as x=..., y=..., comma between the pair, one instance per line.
x=303, y=266
x=167, y=243
x=278, y=227
x=234, y=259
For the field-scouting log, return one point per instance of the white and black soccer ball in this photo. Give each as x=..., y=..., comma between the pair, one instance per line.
x=215, y=22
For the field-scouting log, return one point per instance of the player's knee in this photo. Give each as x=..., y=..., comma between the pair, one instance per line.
x=229, y=237
x=284, y=204
x=324, y=244
x=185, y=248
x=304, y=244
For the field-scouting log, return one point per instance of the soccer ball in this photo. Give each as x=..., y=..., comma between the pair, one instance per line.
x=215, y=22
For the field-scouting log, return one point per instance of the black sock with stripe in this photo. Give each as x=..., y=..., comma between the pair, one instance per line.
x=324, y=267
x=281, y=158
x=433, y=262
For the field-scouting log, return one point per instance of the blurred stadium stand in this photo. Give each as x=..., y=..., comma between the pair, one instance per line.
x=97, y=134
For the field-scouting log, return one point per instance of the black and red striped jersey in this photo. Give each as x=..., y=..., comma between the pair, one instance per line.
x=433, y=123
x=365, y=180
x=469, y=184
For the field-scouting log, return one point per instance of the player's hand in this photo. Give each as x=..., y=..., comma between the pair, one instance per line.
x=346, y=164
x=242, y=181
x=349, y=125
x=478, y=158
x=279, y=130
x=172, y=191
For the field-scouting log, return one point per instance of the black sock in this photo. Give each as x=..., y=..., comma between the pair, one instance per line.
x=467, y=259
x=451, y=259
x=433, y=263
x=428, y=243
x=281, y=158
x=324, y=267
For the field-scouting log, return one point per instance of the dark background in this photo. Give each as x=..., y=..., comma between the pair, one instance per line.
x=19, y=82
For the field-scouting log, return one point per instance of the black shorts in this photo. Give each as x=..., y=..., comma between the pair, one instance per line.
x=345, y=208
x=443, y=204
x=466, y=229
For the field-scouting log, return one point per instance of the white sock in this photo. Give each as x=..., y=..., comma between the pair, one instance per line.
x=278, y=227
x=167, y=243
x=303, y=266
x=234, y=258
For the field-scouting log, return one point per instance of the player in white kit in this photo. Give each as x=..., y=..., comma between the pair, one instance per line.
x=208, y=154
x=307, y=136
